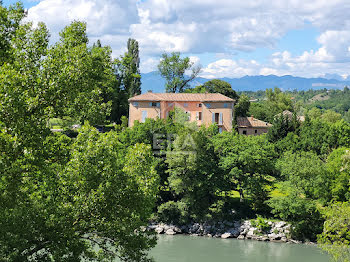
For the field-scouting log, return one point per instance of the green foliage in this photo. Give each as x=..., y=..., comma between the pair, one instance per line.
x=247, y=162
x=242, y=107
x=261, y=223
x=304, y=172
x=276, y=102
x=303, y=214
x=10, y=20
x=338, y=167
x=172, y=68
x=62, y=200
x=173, y=213
x=281, y=126
x=335, y=238
x=215, y=86
x=193, y=171
x=127, y=81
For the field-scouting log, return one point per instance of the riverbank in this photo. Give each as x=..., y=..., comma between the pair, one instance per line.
x=279, y=231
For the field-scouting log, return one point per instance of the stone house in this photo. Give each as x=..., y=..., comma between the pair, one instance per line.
x=252, y=126
x=202, y=108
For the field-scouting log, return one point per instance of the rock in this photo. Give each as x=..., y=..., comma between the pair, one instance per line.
x=265, y=238
x=284, y=239
x=240, y=237
x=170, y=231
x=159, y=230
x=294, y=241
x=280, y=224
x=226, y=235
x=177, y=230
x=251, y=232
x=274, y=236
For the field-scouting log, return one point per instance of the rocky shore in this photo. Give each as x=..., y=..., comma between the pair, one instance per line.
x=274, y=231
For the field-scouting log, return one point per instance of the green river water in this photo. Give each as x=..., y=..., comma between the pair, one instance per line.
x=181, y=248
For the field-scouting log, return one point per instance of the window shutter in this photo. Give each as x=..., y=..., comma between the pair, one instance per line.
x=144, y=116
x=213, y=118
x=197, y=115
x=220, y=119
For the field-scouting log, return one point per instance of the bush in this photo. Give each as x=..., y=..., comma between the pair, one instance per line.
x=302, y=213
x=173, y=213
x=261, y=224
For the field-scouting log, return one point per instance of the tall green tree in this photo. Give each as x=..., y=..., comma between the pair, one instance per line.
x=135, y=82
x=61, y=200
x=248, y=162
x=193, y=173
x=127, y=81
x=242, y=107
x=172, y=68
x=215, y=86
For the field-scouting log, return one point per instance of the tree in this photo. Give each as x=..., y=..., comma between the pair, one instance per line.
x=331, y=117
x=248, y=162
x=172, y=68
x=193, y=172
x=304, y=182
x=127, y=81
x=242, y=107
x=335, y=238
x=215, y=86
x=133, y=52
x=74, y=196
x=10, y=22
x=338, y=167
x=276, y=102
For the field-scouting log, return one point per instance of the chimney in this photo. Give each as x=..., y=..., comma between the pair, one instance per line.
x=149, y=91
x=252, y=118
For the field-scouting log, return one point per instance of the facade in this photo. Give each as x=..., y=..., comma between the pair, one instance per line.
x=204, y=109
x=252, y=126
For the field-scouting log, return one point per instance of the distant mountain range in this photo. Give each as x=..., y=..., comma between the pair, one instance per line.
x=153, y=81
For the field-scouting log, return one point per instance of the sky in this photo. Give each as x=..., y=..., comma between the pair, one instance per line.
x=228, y=38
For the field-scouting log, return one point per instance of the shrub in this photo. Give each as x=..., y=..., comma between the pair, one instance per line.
x=261, y=224
x=173, y=213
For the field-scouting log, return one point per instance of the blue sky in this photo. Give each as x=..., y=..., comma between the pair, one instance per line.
x=228, y=38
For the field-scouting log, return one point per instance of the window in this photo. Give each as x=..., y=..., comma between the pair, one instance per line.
x=244, y=132
x=170, y=104
x=220, y=130
x=207, y=105
x=144, y=116
x=199, y=105
x=154, y=104
x=225, y=105
x=199, y=116
x=217, y=118
x=256, y=131
x=185, y=104
x=136, y=104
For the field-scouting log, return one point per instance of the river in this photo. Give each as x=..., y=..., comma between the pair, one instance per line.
x=181, y=248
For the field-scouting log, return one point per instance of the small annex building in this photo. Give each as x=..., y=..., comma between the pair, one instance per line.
x=252, y=126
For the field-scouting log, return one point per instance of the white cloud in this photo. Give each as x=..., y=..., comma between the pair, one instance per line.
x=207, y=26
x=104, y=17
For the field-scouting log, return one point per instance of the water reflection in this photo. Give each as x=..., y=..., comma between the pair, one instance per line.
x=203, y=249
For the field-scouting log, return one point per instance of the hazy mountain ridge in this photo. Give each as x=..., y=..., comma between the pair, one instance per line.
x=153, y=81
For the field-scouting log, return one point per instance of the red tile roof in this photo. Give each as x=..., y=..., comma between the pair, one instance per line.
x=251, y=122
x=200, y=97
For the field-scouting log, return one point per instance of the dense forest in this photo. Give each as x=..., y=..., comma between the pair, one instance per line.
x=88, y=195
